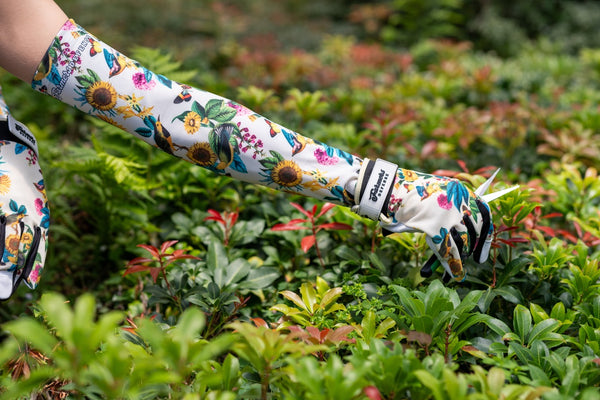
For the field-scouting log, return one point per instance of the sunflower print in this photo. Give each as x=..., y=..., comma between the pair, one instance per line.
x=5, y=184
x=101, y=95
x=11, y=249
x=286, y=173
x=202, y=154
x=192, y=122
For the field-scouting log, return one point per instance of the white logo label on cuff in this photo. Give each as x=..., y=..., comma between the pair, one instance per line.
x=21, y=131
x=377, y=189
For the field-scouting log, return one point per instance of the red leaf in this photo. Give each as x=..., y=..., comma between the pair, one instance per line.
x=341, y=334
x=314, y=332
x=372, y=393
x=335, y=226
x=307, y=242
x=445, y=172
x=547, y=230
x=290, y=226
x=260, y=322
x=553, y=215
x=139, y=260
x=314, y=210
x=428, y=148
x=180, y=257
x=302, y=210
x=150, y=249
x=326, y=207
x=233, y=218
x=568, y=235
x=166, y=245
x=463, y=166
x=136, y=268
x=154, y=273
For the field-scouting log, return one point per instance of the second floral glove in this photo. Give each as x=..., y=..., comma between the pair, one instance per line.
x=24, y=214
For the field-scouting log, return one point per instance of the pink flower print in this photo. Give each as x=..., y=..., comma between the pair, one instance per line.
x=241, y=110
x=324, y=159
x=39, y=204
x=443, y=202
x=140, y=82
x=69, y=26
x=34, y=276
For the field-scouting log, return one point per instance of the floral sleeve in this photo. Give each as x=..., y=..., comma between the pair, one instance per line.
x=197, y=126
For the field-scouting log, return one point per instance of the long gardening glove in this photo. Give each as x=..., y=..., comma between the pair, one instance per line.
x=227, y=138
x=24, y=214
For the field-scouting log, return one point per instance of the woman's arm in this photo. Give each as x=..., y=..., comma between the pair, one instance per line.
x=27, y=28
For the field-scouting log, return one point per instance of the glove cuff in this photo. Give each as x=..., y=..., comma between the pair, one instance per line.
x=374, y=187
x=14, y=131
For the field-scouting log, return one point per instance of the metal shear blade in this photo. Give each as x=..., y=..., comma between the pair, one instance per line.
x=480, y=191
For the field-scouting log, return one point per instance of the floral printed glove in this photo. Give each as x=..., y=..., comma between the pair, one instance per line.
x=456, y=221
x=24, y=215
x=227, y=138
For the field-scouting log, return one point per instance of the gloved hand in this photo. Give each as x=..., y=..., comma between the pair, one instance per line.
x=24, y=215
x=456, y=221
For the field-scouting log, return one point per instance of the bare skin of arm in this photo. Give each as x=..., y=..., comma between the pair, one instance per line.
x=27, y=28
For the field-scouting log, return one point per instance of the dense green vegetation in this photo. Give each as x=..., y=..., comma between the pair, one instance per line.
x=225, y=307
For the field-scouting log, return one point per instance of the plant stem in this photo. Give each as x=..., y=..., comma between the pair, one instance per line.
x=264, y=385
x=314, y=232
x=447, y=342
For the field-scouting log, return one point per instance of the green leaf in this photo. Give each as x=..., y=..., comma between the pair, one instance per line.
x=541, y=329
x=58, y=314
x=309, y=296
x=522, y=322
x=322, y=287
x=330, y=296
x=538, y=313
x=236, y=271
x=384, y=326
x=216, y=258
x=29, y=330
x=558, y=311
x=230, y=371
x=496, y=325
x=430, y=382
x=260, y=278
x=510, y=294
x=368, y=326
x=521, y=352
x=190, y=324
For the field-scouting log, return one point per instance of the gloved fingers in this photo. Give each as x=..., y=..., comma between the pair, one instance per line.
x=32, y=251
x=448, y=254
x=484, y=242
x=431, y=265
x=10, y=239
x=34, y=264
x=10, y=236
x=472, y=237
x=23, y=250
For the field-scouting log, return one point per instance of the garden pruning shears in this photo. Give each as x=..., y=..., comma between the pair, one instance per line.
x=480, y=192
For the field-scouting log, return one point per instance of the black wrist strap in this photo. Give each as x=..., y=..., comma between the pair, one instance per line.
x=7, y=135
